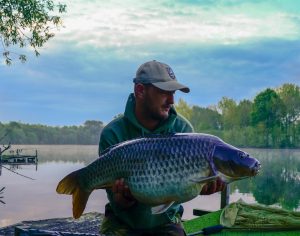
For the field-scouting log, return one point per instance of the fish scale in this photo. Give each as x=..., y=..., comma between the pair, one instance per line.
x=160, y=169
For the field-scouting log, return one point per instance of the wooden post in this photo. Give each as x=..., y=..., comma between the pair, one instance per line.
x=225, y=196
x=36, y=160
x=223, y=203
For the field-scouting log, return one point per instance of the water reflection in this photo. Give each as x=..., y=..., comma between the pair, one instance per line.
x=1, y=195
x=278, y=183
x=37, y=199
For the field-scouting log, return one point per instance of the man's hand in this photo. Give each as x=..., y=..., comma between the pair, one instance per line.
x=122, y=194
x=213, y=187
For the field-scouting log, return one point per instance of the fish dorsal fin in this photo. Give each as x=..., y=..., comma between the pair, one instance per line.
x=161, y=208
x=202, y=180
x=149, y=135
x=108, y=149
x=158, y=135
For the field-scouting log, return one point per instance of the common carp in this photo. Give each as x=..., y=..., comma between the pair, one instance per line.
x=161, y=169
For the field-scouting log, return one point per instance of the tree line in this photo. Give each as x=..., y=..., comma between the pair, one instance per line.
x=271, y=120
x=19, y=133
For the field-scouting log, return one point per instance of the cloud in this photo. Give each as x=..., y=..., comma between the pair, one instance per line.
x=124, y=23
x=218, y=48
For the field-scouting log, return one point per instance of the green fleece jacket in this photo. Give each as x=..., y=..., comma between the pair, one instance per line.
x=127, y=127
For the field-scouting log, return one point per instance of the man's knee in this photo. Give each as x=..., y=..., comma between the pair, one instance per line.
x=112, y=227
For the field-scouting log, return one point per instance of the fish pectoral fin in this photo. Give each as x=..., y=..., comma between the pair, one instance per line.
x=104, y=186
x=161, y=208
x=228, y=179
x=201, y=180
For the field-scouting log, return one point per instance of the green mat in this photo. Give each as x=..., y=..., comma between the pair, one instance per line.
x=253, y=218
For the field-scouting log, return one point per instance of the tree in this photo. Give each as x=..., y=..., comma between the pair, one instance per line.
x=228, y=109
x=90, y=132
x=266, y=113
x=27, y=23
x=184, y=109
x=205, y=119
x=243, y=115
x=290, y=95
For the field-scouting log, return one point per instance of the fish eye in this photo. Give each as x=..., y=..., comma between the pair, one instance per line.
x=243, y=155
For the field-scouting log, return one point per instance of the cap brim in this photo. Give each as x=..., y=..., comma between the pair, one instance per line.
x=172, y=85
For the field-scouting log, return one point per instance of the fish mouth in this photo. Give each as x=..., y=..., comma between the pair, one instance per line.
x=243, y=173
x=255, y=168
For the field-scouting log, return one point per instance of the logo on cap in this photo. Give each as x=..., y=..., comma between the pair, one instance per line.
x=171, y=73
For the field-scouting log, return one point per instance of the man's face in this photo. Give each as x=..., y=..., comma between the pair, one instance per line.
x=157, y=102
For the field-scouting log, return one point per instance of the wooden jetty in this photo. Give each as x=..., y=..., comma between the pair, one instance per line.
x=15, y=159
x=18, y=159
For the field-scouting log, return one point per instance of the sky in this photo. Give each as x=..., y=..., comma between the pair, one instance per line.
x=219, y=48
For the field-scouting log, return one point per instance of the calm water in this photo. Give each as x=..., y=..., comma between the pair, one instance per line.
x=278, y=184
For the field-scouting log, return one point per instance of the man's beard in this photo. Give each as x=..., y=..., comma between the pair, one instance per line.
x=158, y=116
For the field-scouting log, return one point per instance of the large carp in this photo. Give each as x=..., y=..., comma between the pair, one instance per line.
x=161, y=169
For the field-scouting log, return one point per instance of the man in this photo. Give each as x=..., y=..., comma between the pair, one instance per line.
x=149, y=110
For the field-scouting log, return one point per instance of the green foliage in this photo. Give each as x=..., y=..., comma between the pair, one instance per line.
x=242, y=137
x=228, y=110
x=266, y=115
x=271, y=120
x=290, y=96
x=27, y=23
x=184, y=109
x=235, y=115
x=243, y=111
x=266, y=108
x=205, y=119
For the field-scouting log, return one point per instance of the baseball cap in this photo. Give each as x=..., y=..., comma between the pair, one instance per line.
x=160, y=75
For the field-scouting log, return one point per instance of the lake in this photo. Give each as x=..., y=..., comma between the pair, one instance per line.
x=278, y=184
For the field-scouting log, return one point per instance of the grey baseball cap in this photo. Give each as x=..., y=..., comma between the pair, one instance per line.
x=160, y=75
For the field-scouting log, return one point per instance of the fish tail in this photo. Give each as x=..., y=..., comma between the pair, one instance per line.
x=70, y=185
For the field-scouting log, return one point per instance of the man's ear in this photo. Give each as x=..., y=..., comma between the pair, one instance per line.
x=139, y=90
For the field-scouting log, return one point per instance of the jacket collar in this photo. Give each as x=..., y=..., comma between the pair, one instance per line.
x=163, y=127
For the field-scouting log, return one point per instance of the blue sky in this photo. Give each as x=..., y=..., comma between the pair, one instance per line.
x=217, y=47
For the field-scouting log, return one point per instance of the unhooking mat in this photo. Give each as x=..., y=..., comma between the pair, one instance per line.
x=240, y=218
x=255, y=216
